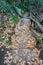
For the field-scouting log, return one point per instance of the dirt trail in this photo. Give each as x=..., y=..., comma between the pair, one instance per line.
x=24, y=43
x=23, y=48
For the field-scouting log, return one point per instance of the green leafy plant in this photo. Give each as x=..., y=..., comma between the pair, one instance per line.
x=2, y=25
x=14, y=19
x=8, y=41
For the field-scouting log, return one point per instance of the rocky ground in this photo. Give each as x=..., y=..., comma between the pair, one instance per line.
x=22, y=50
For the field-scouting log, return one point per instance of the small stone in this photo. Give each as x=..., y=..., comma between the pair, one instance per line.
x=7, y=52
x=2, y=49
x=32, y=59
